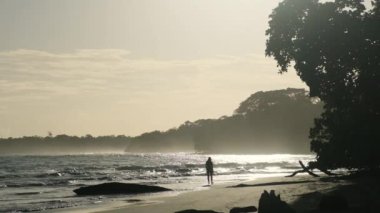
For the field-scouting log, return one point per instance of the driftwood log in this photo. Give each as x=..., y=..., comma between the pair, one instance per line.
x=308, y=170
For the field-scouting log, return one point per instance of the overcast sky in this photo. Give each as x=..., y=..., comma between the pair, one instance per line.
x=106, y=67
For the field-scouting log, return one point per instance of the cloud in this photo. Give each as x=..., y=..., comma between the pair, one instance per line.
x=108, y=91
x=89, y=71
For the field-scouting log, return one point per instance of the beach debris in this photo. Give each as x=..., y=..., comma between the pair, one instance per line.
x=304, y=169
x=333, y=203
x=243, y=209
x=311, y=166
x=272, y=203
x=118, y=188
x=196, y=211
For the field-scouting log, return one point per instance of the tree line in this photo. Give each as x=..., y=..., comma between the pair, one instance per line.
x=334, y=46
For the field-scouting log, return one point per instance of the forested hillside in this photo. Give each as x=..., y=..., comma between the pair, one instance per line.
x=267, y=122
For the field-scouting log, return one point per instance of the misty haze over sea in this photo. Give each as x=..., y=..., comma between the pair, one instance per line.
x=30, y=183
x=267, y=122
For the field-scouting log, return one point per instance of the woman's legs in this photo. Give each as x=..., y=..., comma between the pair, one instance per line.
x=208, y=177
x=212, y=174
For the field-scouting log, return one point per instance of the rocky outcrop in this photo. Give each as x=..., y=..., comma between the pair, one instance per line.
x=118, y=188
x=272, y=203
x=243, y=209
x=333, y=203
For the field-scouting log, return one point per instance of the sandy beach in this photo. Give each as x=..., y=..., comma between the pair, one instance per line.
x=303, y=193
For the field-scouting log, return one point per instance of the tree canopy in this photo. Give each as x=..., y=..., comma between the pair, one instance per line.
x=334, y=46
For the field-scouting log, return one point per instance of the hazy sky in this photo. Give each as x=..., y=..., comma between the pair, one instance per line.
x=128, y=66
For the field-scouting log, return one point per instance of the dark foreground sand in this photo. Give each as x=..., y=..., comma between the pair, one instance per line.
x=303, y=193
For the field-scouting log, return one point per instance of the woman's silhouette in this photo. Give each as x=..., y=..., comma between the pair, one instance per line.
x=209, y=170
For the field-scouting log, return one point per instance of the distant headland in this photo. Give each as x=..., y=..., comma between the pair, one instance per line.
x=267, y=122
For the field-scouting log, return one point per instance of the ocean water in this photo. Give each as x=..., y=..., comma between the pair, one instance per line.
x=37, y=183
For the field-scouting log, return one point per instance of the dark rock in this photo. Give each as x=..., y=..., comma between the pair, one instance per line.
x=333, y=203
x=118, y=188
x=196, y=211
x=243, y=209
x=133, y=200
x=183, y=170
x=270, y=203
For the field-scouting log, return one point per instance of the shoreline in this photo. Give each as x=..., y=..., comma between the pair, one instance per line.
x=52, y=186
x=146, y=199
x=303, y=193
x=219, y=197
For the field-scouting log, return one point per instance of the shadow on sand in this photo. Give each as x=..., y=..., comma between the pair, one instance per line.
x=362, y=195
x=271, y=184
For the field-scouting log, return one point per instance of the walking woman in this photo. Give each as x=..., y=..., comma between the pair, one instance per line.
x=209, y=170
